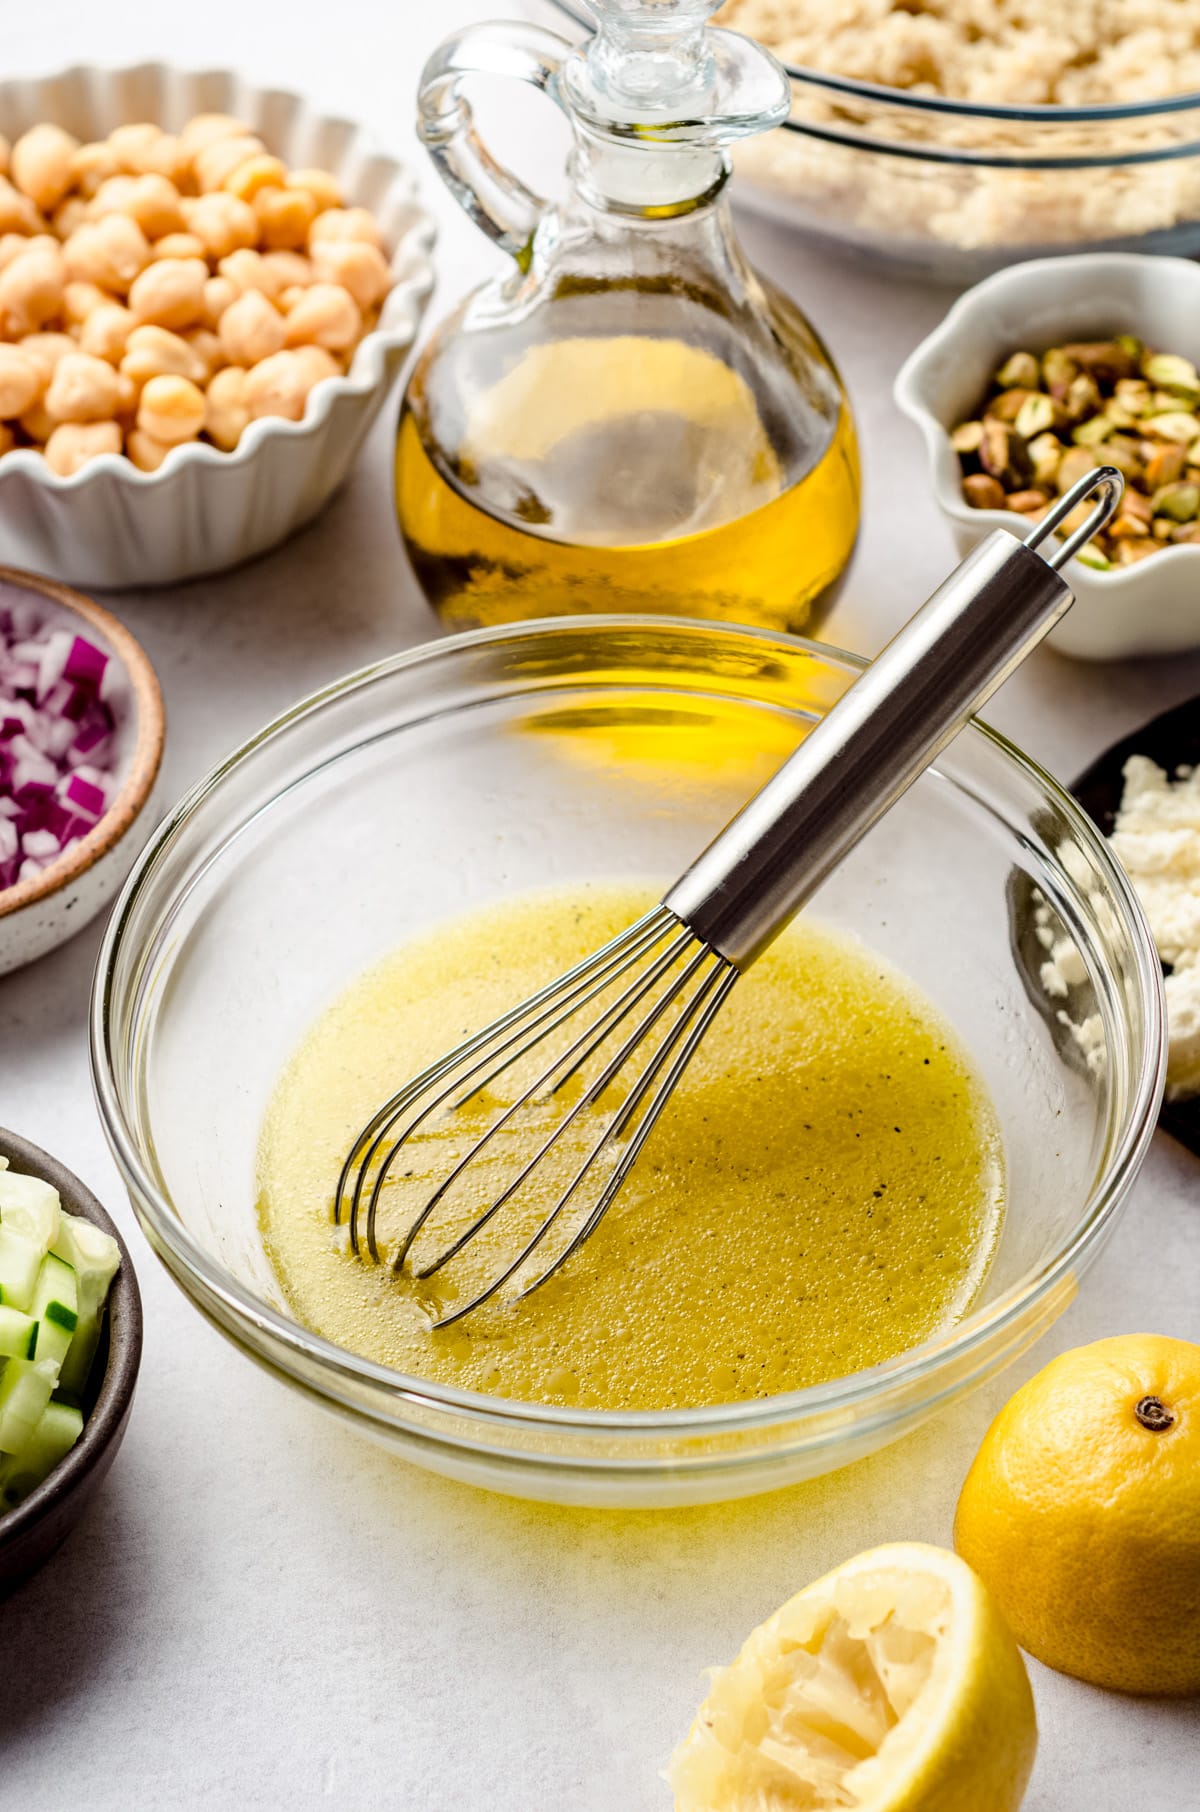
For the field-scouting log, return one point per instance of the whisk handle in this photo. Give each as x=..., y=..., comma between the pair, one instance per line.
x=866, y=752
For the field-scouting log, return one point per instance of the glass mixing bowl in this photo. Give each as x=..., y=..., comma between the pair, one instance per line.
x=574, y=749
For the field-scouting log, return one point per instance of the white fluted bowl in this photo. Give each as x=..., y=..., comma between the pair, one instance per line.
x=111, y=525
x=1150, y=608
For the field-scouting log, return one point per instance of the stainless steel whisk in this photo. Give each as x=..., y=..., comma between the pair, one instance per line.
x=653, y=991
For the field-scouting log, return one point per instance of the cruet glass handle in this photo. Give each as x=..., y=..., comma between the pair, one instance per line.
x=496, y=200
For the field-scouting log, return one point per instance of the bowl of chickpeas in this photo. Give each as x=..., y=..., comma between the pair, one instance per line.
x=207, y=291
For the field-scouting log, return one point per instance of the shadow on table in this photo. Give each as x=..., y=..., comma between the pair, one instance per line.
x=67, y=1626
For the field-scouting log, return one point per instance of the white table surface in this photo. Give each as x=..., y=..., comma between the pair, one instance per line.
x=263, y=1610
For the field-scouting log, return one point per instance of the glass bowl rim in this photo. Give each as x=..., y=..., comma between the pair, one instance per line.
x=191, y=1266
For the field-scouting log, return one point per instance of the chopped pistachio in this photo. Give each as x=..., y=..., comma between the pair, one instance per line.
x=1125, y=527
x=1165, y=465
x=1133, y=394
x=1090, y=433
x=1058, y=371
x=1008, y=405
x=983, y=492
x=1103, y=360
x=1130, y=552
x=1075, y=464
x=1185, y=532
x=1129, y=342
x=1036, y=415
x=967, y=437
x=1178, y=427
x=1179, y=502
x=1023, y=501
x=1021, y=370
x=1083, y=396
x=1126, y=455
x=1045, y=452
x=1004, y=455
x=1171, y=372
x=1090, y=555
x=1162, y=528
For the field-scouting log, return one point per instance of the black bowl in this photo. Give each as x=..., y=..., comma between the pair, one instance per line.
x=30, y=1533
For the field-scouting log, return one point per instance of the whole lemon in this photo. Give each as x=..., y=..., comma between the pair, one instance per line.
x=1082, y=1513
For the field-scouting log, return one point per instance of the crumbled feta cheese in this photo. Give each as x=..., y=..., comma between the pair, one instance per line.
x=1156, y=839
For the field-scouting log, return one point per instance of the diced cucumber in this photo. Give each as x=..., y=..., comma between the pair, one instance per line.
x=18, y=1334
x=20, y=1262
x=57, y=1430
x=95, y=1256
x=25, y=1387
x=29, y=1207
x=56, y=1308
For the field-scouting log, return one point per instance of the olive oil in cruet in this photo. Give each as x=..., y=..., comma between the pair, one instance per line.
x=629, y=418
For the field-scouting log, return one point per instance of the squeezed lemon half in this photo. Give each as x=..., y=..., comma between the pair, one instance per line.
x=890, y=1685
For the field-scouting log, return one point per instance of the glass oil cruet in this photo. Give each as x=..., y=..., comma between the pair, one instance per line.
x=628, y=418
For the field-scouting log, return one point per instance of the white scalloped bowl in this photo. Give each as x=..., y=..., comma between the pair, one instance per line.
x=1150, y=608
x=111, y=525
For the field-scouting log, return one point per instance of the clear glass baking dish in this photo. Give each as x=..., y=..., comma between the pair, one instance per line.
x=575, y=749
x=951, y=190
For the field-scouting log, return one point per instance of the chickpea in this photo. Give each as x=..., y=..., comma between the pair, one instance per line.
x=324, y=188
x=245, y=269
x=170, y=293
x=36, y=423
x=15, y=245
x=226, y=412
x=178, y=245
x=45, y=350
x=92, y=165
x=222, y=222
x=146, y=453
x=109, y=252
x=20, y=381
x=154, y=203
x=216, y=163
x=155, y=352
x=17, y=213
x=106, y=331
x=316, y=364
x=219, y=292
x=287, y=270
x=31, y=289
x=113, y=196
x=251, y=329
x=206, y=128
x=171, y=409
x=5, y=155
x=169, y=157
x=83, y=389
x=255, y=173
x=357, y=266
x=41, y=164
x=326, y=315
x=68, y=215
x=289, y=297
x=80, y=298
x=133, y=146
x=208, y=349
x=345, y=223
x=280, y=385
x=73, y=444
x=285, y=216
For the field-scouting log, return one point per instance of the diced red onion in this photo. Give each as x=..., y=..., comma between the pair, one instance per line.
x=56, y=737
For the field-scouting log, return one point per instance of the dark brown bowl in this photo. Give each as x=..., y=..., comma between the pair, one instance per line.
x=30, y=1533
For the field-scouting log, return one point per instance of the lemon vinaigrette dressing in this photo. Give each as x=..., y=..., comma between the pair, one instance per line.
x=824, y=1191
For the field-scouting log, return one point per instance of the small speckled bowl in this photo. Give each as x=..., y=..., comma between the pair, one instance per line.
x=30, y=1533
x=37, y=914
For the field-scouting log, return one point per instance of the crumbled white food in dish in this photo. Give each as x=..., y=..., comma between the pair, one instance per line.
x=1156, y=839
